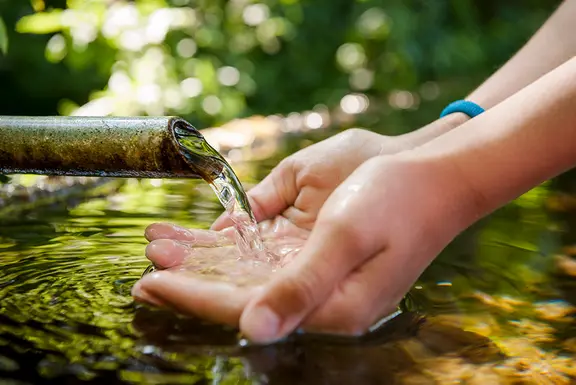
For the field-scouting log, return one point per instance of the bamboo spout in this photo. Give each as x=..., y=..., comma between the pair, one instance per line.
x=141, y=147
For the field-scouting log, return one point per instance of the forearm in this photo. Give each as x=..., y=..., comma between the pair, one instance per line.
x=552, y=45
x=516, y=145
x=433, y=130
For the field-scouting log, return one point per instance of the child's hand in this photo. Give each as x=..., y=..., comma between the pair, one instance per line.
x=202, y=272
x=371, y=240
x=285, y=203
x=298, y=187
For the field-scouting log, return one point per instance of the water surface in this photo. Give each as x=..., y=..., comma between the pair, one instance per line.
x=496, y=307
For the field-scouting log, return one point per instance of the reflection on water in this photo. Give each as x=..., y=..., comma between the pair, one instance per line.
x=496, y=307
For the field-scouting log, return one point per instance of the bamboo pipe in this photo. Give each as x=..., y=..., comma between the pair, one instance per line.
x=140, y=147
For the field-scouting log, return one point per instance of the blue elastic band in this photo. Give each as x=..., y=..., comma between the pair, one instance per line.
x=469, y=108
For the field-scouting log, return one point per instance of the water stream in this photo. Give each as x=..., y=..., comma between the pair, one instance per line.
x=230, y=193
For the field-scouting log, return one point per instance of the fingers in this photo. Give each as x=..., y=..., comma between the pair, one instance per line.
x=368, y=294
x=216, y=301
x=170, y=244
x=195, y=236
x=303, y=284
x=168, y=231
x=166, y=253
x=345, y=235
x=365, y=296
x=271, y=196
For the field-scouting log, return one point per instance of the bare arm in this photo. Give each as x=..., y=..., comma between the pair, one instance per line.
x=552, y=45
x=519, y=143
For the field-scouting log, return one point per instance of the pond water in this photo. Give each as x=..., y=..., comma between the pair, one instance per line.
x=496, y=307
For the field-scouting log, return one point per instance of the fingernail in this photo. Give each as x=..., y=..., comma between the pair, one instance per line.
x=261, y=324
x=186, y=233
x=142, y=295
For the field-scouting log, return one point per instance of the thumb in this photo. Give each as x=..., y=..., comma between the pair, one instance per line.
x=271, y=196
x=331, y=253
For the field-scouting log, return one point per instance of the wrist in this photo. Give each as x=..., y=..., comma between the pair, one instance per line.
x=517, y=145
x=433, y=130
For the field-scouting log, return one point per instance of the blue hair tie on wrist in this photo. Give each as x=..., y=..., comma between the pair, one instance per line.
x=466, y=107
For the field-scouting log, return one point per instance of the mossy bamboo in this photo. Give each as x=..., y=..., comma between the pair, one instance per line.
x=141, y=147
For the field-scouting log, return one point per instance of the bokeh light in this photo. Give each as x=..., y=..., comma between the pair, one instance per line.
x=354, y=103
x=211, y=63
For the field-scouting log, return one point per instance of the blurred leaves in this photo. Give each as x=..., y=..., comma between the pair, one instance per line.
x=212, y=61
x=40, y=23
x=3, y=37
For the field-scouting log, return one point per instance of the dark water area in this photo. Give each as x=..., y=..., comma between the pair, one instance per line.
x=497, y=306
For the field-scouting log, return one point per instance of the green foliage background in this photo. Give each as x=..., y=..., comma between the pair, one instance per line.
x=279, y=55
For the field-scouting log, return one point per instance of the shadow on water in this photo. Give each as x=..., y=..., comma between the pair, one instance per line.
x=496, y=307
x=312, y=360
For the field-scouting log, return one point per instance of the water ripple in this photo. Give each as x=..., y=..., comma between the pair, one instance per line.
x=66, y=314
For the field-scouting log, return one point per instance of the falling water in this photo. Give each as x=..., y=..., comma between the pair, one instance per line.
x=224, y=182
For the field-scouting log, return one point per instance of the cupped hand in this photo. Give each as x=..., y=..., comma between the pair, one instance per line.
x=286, y=204
x=201, y=272
x=373, y=237
x=297, y=188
